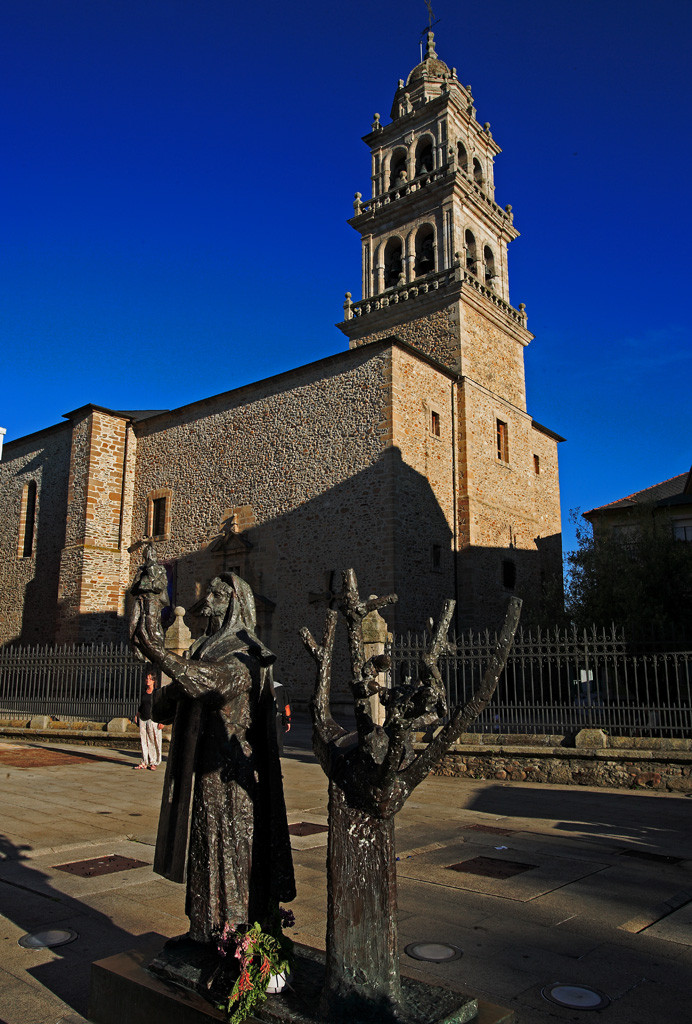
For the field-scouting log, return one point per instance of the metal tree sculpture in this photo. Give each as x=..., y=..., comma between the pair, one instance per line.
x=371, y=774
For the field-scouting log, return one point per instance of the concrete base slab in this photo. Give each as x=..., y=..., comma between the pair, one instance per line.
x=123, y=992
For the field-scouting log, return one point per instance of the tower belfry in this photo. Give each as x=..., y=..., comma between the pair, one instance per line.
x=434, y=241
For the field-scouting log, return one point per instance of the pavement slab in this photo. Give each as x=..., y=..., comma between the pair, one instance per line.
x=561, y=921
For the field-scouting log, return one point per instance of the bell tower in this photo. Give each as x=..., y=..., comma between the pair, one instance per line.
x=434, y=241
x=434, y=261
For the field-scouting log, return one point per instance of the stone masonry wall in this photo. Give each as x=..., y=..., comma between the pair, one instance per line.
x=424, y=499
x=508, y=511
x=91, y=592
x=29, y=585
x=310, y=455
x=436, y=334
x=491, y=357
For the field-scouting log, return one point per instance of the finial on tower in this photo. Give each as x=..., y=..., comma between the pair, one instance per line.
x=430, y=46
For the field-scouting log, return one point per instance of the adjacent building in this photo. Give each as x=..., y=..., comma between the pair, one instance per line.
x=668, y=504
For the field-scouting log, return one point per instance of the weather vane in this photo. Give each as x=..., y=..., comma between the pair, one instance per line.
x=432, y=20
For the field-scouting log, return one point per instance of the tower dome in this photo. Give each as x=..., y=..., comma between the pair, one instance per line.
x=430, y=67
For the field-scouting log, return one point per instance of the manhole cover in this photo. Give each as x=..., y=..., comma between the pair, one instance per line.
x=307, y=828
x=101, y=866
x=491, y=867
x=492, y=829
x=48, y=938
x=576, y=997
x=660, y=858
x=434, y=952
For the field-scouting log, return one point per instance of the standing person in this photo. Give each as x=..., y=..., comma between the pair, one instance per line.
x=283, y=712
x=149, y=730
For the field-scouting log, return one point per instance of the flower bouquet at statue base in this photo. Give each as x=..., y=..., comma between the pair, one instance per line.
x=264, y=963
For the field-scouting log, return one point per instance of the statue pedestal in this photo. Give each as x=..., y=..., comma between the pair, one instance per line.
x=124, y=992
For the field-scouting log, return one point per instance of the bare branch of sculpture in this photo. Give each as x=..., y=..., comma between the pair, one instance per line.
x=463, y=715
x=325, y=729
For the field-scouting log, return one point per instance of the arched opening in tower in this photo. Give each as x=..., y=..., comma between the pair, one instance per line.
x=489, y=260
x=471, y=254
x=425, y=250
x=393, y=262
x=424, y=157
x=397, y=172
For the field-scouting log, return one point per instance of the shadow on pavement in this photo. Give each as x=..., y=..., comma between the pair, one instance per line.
x=29, y=901
x=628, y=817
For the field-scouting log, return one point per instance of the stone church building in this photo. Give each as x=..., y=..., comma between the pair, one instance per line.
x=409, y=456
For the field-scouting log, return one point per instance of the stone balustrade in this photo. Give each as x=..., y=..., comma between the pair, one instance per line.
x=518, y=315
x=430, y=283
x=407, y=188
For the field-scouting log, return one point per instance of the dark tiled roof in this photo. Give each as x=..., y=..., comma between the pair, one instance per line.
x=649, y=496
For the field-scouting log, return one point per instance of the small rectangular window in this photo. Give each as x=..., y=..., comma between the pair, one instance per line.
x=158, y=524
x=28, y=520
x=435, y=423
x=436, y=556
x=502, y=441
x=509, y=574
x=682, y=529
x=537, y=464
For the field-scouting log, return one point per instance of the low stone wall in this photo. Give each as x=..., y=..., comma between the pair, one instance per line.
x=42, y=728
x=645, y=763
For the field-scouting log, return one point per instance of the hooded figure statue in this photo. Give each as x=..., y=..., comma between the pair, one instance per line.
x=224, y=758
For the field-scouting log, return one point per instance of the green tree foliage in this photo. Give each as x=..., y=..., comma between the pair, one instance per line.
x=638, y=577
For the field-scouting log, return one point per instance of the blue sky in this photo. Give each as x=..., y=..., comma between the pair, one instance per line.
x=177, y=175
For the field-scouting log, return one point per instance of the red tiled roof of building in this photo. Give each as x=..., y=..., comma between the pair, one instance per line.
x=649, y=495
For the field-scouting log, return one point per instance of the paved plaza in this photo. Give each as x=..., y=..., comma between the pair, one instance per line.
x=576, y=885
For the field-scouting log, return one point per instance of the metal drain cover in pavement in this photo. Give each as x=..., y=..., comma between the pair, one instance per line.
x=660, y=858
x=433, y=952
x=47, y=939
x=490, y=867
x=101, y=866
x=307, y=828
x=576, y=997
x=492, y=829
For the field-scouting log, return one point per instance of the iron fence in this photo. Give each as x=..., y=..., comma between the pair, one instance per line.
x=95, y=682
x=558, y=682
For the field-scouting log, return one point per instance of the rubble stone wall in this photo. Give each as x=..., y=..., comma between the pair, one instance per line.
x=623, y=769
x=29, y=585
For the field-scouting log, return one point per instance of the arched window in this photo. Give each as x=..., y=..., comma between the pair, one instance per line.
x=393, y=263
x=397, y=168
x=471, y=256
x=424, y=157
x=462, y=157
x=425, y=250
x=477, y=171
x=489, y=261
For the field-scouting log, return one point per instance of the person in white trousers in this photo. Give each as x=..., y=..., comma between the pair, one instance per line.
x=149, y=730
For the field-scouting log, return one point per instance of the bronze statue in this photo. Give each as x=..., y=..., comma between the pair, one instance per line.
x=150, y=591
x=224, y=757
x=371, y=773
